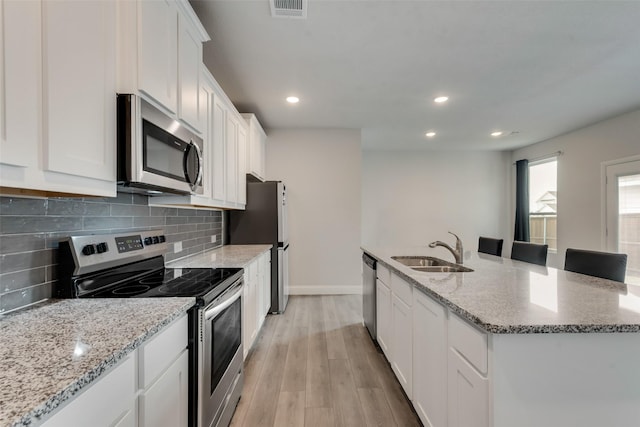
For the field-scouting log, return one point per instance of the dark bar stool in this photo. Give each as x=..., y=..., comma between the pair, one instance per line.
x=606, y=265
x=490, y=246
x=529, y=252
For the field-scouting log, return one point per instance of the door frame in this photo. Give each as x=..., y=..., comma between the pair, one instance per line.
x=604, y=202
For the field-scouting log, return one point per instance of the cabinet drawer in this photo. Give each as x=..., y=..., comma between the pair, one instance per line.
x=161, y=351
x=384, y=275
x=402, y=289
x=469, y=342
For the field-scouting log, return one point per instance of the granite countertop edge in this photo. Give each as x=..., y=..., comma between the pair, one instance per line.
x=505, y=329
x=36, y=415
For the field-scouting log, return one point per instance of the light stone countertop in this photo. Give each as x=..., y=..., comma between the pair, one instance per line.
x=513, y=297
x=51, y=351
x=228, y=256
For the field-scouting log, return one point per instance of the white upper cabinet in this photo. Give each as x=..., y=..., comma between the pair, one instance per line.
x=79, y=81
x=57, y=119
x=160, y=56
x=189, y=64
x=256, y=148
x=225, y=138
x=157, y=52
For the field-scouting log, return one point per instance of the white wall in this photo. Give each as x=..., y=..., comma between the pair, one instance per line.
x=321, y=169
x=415, y=197
x=579, y=178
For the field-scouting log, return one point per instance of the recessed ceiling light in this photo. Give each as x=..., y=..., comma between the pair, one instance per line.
x=441, y=99
x=496, y=133
x=293, y=99
x=430, y=134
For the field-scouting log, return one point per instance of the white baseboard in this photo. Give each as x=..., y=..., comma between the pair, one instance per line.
x=325, y=290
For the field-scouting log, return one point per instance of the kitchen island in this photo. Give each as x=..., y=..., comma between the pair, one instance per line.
x=510, y=343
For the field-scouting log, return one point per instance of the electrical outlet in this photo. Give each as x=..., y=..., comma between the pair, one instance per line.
x=177, y=247
x=214, y=238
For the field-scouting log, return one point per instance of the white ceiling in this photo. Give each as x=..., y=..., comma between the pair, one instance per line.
x=538, y=68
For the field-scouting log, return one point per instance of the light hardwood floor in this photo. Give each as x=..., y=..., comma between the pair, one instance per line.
x=315, y=366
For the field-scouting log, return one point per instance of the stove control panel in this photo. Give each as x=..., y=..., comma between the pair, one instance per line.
x=95, y=252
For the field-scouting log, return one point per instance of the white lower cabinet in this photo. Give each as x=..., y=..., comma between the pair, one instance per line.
x=165, y=402
x=430, y=358
x=148, y=388
x=402, y=343
x=256, y=293
x=383, y=317
x=468, y=393
x=118, y=388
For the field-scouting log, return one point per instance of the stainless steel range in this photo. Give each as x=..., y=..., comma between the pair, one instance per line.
x=131, y=265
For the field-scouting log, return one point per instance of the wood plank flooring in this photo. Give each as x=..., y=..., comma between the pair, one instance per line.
x=315, y=366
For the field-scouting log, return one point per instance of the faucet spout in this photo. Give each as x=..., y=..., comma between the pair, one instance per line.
x=457, y=252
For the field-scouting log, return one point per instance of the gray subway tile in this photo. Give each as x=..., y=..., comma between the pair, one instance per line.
x=203, y=227
x=152, y=221
x=23, y=297
x=22, y=279
x=187, y=228
x=129, y=210
x=186, y=212
x=22, y=206
x=11, y=243
x=31, y=224
x=139, y=199
x=25, y=260
x=175, y=220
x=107, y=223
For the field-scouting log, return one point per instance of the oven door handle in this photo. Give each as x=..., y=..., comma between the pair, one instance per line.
x=218, y=308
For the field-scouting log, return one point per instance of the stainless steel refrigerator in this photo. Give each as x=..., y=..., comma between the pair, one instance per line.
x=264, y=221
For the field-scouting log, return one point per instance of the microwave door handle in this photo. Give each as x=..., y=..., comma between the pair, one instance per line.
x=196, y=181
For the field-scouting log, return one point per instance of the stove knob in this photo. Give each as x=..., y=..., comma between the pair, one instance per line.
x=147, y=241
x=155, y=239
x=102, y=247
x=161, y=239
x=89, y=250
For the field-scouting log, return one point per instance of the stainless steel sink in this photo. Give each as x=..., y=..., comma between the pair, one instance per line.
x=430, y=264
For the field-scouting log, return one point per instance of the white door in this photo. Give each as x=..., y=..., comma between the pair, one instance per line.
x=623, y=213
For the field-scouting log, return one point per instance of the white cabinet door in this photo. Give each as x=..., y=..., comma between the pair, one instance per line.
x=402, y=343
x=383, y=317
x=89, y=408
x=468, y=394
x=255, y=147
x=189, y=60
x=165, y=402
x=231, y=151
x=218, y=139
x=249, y=308
x=20, y=87
x=157, y=52
x=79, y=81
x=430, y=355
x=242, y=164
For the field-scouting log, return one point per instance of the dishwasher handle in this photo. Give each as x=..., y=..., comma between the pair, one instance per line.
x=369, y=261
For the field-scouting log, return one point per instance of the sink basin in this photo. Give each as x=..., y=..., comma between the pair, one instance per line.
x=420, y=261
x=429, y=264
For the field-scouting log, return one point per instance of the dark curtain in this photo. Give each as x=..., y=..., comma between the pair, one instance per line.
x=522, y=201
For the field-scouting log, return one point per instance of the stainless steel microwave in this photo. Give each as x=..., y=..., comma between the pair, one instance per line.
x=156, y=154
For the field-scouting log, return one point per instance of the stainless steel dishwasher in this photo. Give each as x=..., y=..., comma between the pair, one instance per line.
x=369, y=294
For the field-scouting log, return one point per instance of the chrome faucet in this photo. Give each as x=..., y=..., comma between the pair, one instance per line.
x=457, y=252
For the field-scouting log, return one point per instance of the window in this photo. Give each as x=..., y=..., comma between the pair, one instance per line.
x=543, y=201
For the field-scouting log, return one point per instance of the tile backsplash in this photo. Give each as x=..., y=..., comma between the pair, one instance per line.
x=30, y=230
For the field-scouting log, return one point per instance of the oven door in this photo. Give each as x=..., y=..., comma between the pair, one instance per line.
x=221, y=364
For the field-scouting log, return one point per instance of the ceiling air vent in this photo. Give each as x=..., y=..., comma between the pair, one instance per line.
x=289, y=8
